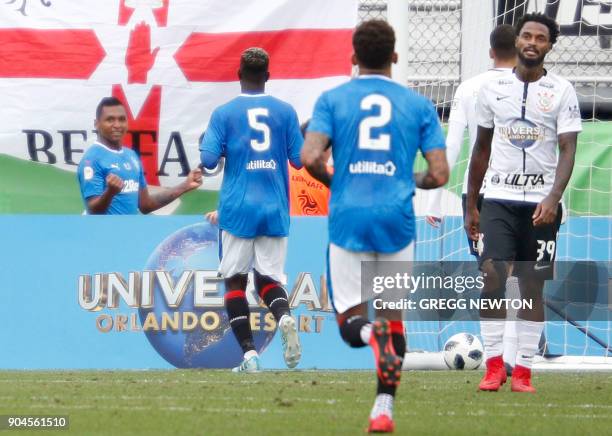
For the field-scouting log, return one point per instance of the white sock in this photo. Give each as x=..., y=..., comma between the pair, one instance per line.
x=512, y=289
x=492, y=332
x=383, y=405
x=529, y=333
x=249, y=354
x=366, y=332
x=510, y=336
x=510, y=343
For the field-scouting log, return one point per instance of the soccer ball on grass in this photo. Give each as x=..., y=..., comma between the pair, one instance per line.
x=463, y=351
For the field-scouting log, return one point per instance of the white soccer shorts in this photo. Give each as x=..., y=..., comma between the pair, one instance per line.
x=345, y=272
x=264, y=253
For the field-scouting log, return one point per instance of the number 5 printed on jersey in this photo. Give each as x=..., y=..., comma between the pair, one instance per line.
x=259, y=126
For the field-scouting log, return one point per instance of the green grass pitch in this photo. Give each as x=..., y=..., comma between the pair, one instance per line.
x=207, y=402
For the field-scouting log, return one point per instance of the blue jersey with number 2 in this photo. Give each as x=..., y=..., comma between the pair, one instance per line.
x=257, y=134
x=376, y=127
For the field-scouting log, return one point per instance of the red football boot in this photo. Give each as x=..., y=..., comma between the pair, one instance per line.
x=521, y=380
x=495, y=376
x=381, y=424
x=388, y=365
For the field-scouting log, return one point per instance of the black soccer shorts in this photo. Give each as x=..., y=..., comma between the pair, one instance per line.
x=508, y=234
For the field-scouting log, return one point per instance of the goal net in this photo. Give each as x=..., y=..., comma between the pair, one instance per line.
x=447, y=42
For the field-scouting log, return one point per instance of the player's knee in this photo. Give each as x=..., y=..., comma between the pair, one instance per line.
x=236, y=282
x=350, y=330
x=266, y=285
x=261, y=280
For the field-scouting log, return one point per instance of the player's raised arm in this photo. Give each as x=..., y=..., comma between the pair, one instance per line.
x=546, y=210
x=151, y=201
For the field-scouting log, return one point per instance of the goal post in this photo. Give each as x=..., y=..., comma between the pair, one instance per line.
x=443, y=42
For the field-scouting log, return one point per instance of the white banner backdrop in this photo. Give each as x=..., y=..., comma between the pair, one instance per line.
x=171, y=61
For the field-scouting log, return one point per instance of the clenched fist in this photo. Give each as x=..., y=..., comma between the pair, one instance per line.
x=114, y=184
x=194, y=179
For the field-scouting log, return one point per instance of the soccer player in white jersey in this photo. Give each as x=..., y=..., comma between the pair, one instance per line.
x=463, y=116
x=523, y=118
x=375, y=128
x=258, y=134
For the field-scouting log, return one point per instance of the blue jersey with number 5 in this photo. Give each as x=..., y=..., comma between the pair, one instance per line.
x=257, y=134
x=376, y=127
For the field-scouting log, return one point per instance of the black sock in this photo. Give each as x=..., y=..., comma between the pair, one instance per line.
x=273, y=294
x=238, y=313
x=350, y=330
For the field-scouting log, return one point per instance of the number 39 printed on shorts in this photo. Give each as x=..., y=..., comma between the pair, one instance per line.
x=546, y=250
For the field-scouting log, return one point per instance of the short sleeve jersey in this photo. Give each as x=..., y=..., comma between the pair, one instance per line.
x=376, y=127
x=527, y=118
x=257, y=135
x=97, y=163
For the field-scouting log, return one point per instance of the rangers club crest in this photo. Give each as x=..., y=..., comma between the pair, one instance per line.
x=545, y=101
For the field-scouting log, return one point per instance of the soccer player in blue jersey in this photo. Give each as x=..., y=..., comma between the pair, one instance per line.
x=257, y=134
x=375, y=128
x=110, y=175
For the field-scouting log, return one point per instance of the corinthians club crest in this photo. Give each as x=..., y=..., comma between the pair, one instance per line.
x=546, y=101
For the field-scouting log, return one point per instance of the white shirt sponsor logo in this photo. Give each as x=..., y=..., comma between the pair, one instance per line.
x=522, y=133
x=130, y=186
x=261, y=164
x=369, y=167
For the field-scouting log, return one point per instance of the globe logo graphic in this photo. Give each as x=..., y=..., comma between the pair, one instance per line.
x=195, y=247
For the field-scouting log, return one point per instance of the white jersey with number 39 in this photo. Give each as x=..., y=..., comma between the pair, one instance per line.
x=527, y=119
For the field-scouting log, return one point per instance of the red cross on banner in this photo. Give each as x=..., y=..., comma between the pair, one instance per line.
x=170, y=62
